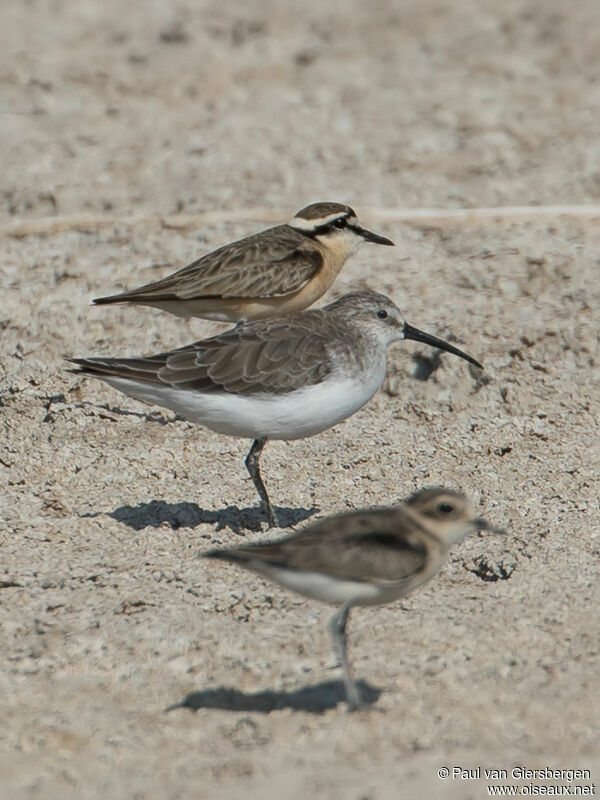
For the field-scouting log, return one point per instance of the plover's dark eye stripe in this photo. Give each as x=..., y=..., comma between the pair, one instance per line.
x=328, y=227
x=318, y=227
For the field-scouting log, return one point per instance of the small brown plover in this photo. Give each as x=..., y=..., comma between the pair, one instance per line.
x=363, y=558
x=280, y=378
x=277, y=271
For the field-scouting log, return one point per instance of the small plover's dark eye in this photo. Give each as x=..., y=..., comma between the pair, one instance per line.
x=445, y=508
x=340, y=223
x=382, y=313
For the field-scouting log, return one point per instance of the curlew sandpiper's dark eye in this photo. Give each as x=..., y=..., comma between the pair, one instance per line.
x=445, y=508
x=382, y=313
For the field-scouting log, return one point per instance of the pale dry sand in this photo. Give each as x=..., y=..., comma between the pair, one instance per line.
x=106, y=615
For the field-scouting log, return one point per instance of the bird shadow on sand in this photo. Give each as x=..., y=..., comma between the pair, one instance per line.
x=189, y=515
x=311, y=699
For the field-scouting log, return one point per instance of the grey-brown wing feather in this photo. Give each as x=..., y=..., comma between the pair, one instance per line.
x=269, y=264
x=376, y=545
x=273, y=355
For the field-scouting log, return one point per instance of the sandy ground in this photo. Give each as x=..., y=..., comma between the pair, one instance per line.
x=106, y=615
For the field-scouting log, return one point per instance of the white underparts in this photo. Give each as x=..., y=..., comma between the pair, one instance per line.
x=319, y=586
x=294, y=415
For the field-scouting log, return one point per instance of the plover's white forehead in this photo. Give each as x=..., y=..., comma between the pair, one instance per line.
x=315, y=223
x=433, y=493
x=318, y=215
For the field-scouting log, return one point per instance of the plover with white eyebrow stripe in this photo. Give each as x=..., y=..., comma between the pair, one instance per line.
x=363, y=558
x=278, y=271
x=280, y=378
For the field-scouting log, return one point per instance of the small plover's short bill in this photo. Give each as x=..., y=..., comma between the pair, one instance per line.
x=363, y=558
x=280, y=378
x=277, y=271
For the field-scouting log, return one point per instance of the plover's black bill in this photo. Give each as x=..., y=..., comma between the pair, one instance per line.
x=369, y=236
x=409, y=332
